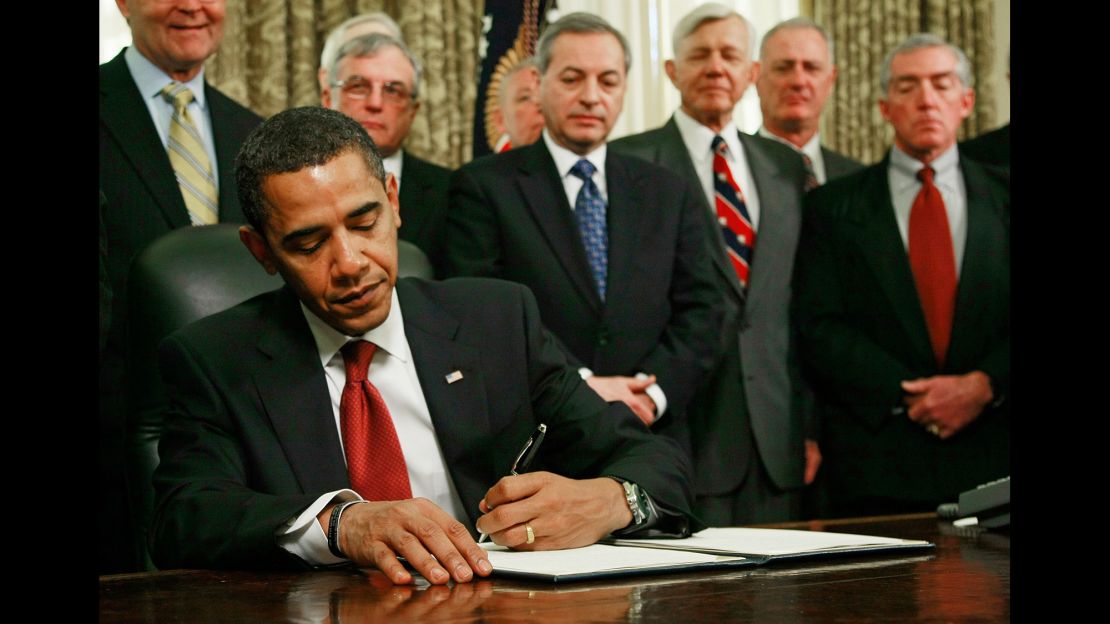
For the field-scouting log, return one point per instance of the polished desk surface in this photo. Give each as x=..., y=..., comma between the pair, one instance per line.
x=965, y=579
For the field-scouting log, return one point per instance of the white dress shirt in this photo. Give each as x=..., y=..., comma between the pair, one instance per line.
x=699, y=144
x=948, y=179
x=572, y=184
x=393, y=373
x=394, y=164
x=812, y=148
x=150, y=80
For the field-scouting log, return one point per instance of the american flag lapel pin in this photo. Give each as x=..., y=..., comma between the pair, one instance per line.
x=453, y=376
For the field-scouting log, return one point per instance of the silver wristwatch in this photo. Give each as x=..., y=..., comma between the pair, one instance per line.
x=637, y=502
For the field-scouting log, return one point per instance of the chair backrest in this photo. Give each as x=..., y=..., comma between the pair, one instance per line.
x=181, y=277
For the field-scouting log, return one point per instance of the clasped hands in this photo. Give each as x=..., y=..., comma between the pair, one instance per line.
x=562, y=513
x=945, y=404
x=632, y=391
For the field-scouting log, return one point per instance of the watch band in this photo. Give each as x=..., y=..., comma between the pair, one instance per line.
x=333, y=527
x=637, y=503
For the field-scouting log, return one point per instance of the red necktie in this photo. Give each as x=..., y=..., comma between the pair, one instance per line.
x=933, y=262
x=732, y=213
x=375, y=463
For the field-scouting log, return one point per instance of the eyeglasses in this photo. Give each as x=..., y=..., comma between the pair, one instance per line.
x=359, y=88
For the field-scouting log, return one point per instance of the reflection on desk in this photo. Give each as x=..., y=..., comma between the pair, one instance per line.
x=967, y=578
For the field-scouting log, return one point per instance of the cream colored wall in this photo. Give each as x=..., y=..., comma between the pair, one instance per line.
x=114, y=33
x=1002, y=52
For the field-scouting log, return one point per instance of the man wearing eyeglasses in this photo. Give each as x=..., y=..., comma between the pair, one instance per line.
x=375, y=80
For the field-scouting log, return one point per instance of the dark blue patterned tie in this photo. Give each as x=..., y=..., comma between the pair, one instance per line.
x=732, y=214
x=589, y=212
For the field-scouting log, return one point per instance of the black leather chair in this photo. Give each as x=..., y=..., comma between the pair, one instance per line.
x=183, y=276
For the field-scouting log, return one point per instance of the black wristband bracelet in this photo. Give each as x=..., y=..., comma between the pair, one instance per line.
x=333, y=528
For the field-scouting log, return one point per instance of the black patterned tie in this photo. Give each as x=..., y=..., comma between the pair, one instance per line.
x=589, y=212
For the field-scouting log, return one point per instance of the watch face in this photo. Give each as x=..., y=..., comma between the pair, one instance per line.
x=637, y=503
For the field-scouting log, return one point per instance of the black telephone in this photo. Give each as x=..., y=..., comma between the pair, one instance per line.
x=989, y=503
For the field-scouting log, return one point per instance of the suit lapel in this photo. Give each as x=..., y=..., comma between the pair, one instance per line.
x=225, y=149
x=412, y=196
x=881, y=245
x=295, y=395
x=459, y=409
x=674, y=156
x=124, y=114
x=543, y=193
x=776, y=239
x=985, y=258
x=624, y=215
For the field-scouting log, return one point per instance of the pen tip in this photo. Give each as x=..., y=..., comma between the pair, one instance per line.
x=543, y=428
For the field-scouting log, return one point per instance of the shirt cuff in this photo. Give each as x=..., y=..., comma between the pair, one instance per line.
x=303, y=535
x=585, y=373
x=656, y=394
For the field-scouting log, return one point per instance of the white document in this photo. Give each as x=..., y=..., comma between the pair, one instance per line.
x=770, y=542
x=710, y=549
x=601, y=560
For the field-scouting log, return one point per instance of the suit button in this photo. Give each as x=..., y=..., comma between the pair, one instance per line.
x=602, y=337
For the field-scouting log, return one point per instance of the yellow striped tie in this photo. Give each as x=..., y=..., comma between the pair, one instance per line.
x=189, y=159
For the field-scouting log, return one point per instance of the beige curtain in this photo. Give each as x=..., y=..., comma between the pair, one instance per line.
x=271, y=51
x=864, y=31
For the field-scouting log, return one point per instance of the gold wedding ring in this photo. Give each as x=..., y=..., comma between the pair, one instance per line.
x=933, y=429
x=531, y=534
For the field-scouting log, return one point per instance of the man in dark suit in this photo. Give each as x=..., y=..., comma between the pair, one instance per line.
x=796, y=74
x=376, y=81
x=746, y=425
x=284, y=446
x=902, y=289
x=992, y=148
x=143, y=198
x=613, y=247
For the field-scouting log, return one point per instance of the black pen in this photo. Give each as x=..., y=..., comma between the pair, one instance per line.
x=524, y=458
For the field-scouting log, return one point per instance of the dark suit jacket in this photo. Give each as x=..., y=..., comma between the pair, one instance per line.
x=838, y=165
x=142, y=194
x=992, y=148
x=423, y=203
x=863, y=332
x=750, y=399
x=143, y=202
x=509, y=218
x=250, y=439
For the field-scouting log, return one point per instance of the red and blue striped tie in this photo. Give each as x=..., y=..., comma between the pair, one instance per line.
x=732, y=213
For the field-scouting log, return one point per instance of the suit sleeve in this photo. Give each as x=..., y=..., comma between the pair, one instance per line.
x=700, y=311
x=589, y=438
x=846, y=365
x=205, y=516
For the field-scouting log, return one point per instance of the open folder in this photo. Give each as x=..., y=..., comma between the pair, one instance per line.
x=710, y=549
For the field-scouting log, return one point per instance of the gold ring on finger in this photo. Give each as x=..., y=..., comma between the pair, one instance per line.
x=531, y=534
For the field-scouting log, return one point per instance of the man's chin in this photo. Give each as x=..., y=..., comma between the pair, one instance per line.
x=357, y=326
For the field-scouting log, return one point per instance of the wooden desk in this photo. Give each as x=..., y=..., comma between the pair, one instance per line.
x=967, y=578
